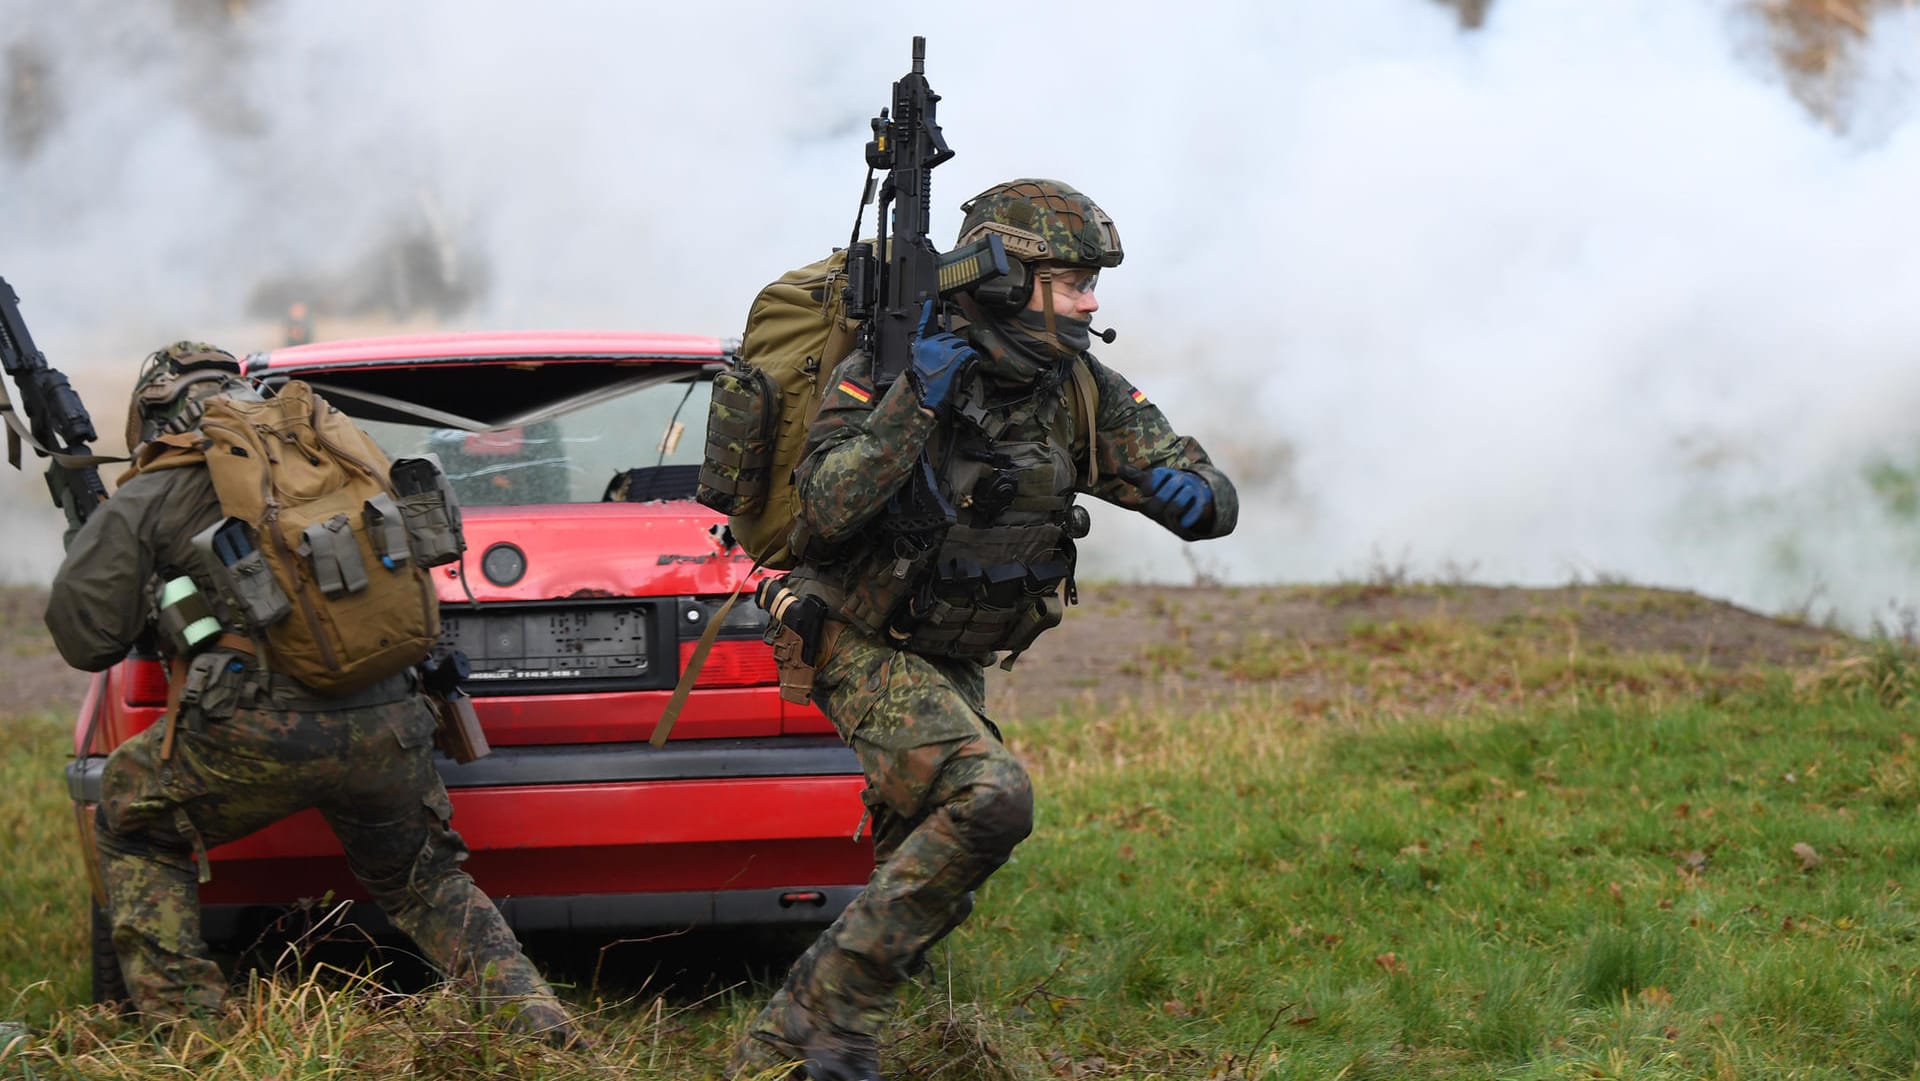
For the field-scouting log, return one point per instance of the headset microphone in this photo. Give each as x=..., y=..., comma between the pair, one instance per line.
x=1107, y=335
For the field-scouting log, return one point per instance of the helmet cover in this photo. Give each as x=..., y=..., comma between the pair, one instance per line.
x=1043, y=221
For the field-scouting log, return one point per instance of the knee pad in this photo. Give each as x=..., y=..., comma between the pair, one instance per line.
x=138, y=844
x=399, y=882
x=994, y=811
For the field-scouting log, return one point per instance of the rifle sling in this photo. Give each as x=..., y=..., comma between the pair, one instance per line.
x=691, y=672
x=18, y=433
x=1088, y=414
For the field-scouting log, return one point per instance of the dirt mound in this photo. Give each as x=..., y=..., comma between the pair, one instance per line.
x=1314, y=648
x=1401, y=647
x=33, y=678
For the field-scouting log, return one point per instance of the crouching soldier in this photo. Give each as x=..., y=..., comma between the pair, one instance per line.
x=246, y=742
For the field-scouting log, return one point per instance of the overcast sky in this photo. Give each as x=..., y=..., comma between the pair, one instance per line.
x=1584, y=294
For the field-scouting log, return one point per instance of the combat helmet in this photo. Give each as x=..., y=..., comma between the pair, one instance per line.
x=172, y=384
x=1045, y=226
x=1043, y=221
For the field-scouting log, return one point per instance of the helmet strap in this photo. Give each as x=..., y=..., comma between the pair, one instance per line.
x=1046, y=302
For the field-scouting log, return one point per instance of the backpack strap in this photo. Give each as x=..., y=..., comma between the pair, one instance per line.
x=840, y=343
x=1089, y=407
x=170, y=451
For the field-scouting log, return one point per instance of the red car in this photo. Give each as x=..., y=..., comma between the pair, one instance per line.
x=589, y=575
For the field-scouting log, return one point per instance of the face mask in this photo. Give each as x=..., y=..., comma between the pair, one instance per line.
x=1030, y=329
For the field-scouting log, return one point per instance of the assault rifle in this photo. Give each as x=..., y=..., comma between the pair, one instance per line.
x=891, y=280
x=57, y=425
x=891, y=283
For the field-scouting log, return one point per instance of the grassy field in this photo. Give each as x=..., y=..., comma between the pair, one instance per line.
x=1491, y=854
x=44, y=915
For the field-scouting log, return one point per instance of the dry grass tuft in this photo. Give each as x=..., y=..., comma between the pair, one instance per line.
x=1887, y=672
x=327, y=1024
x=952, y=1041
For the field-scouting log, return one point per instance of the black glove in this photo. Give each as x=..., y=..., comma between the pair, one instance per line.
x=939, y=360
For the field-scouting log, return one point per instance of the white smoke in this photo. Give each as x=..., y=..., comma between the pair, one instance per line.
x=1583, y=293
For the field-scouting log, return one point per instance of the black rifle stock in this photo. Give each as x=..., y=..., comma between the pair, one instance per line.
x=890, y=281
x=57, y=425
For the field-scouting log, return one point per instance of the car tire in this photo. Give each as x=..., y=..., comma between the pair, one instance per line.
x=109, y=987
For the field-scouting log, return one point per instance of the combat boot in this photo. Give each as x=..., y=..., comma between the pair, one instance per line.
x=821, y=1060
x=842, y=1063
x=788, y=1032
x=550, y=1022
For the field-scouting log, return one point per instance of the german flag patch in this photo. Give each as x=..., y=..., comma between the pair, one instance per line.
x=1139, y=398
x=855, y=391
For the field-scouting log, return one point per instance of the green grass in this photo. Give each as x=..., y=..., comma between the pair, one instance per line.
x=43, y=892
x=1605, y=890
x=1622, y=870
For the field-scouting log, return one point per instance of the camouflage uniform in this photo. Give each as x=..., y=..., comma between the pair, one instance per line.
x=252, y=749
x=948, y=801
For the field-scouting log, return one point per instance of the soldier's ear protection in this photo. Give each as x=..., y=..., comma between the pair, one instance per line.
x=1006, y=295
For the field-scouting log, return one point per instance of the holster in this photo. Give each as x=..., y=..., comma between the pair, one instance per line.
x=791, y=651
x=457, y=729
x=796, y=675
x=801, y=634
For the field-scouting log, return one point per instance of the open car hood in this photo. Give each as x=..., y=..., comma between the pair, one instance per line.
x=477, y=382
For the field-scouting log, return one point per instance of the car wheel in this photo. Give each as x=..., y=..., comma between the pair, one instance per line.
x=109, y=989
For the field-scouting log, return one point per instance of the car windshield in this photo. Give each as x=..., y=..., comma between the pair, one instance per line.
x=649, y=439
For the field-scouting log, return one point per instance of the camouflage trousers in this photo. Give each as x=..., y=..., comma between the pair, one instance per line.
x=948, y=802
x=370, y=773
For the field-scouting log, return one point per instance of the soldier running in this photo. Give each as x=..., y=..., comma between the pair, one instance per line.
x=1002, y=422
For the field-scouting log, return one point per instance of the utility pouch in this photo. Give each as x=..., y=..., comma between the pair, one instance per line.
x=184, y=616
x=734, y=476
x=198, y=672
x=1044, y=615
x=211, y=693
x=333, y=554
x=237, y=564
x=428, y=510
x=877, y=604
x=387, y=530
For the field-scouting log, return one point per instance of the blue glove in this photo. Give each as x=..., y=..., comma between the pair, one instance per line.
x=938, y=361
x=1176, y=497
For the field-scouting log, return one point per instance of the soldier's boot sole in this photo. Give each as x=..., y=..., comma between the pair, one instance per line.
x=786, y=1033
x=754, y=1057
x=841, y=1064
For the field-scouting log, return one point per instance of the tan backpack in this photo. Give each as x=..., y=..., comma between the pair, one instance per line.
x=328, y=567
x=797, y=333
